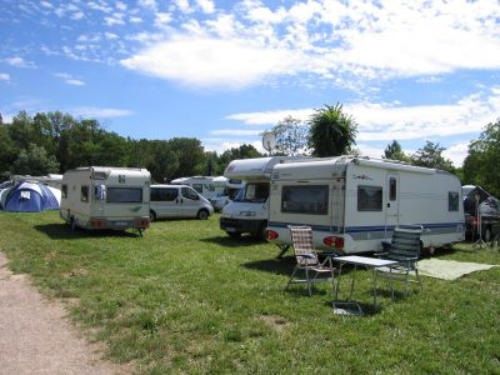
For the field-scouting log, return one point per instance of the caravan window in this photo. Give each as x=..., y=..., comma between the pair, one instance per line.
x=369, y=198
x=64, y=191
x=123, y=195
x=164, y=194
x=453, y=201
x=84, y=194
x=311, y=200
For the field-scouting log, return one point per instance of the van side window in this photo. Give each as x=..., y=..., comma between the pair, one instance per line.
x=84, y=194
x=189, y=194
x=163, y=195
x=311, y=200
x=198, y=188
x=393, y=188
x=453, y=201
x=369, y=198
x=64, y=191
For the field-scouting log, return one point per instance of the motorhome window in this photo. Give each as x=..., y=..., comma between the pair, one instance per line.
x=453, y=201
x=210, y=187
x=254, y=193
x=369, y=198
x=84, y=194
x=123, y=195
x=392, y=188
x=198, y=188
x=164, y=194
x=64, y=191
x=311, y=200
x=234, y=181
x=189, y=194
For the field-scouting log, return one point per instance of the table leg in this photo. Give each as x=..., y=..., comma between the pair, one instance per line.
x=352, y=282
x=374, y=286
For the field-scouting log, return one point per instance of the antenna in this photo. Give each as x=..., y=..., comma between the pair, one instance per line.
x=268, y=141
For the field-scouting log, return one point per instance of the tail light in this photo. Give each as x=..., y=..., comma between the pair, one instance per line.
x=271, y=235
x=97, y=223
x=334, y=241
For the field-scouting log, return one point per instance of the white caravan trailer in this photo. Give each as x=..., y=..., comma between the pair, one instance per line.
x=208, y=186
x=353, y=204
x=106, y=198
x=248, y=212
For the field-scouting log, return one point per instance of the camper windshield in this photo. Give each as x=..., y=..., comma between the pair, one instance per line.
x=254, y=192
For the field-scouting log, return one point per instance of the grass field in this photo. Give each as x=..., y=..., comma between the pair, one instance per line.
x=185, y=298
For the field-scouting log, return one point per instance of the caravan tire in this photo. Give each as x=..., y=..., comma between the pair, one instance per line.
x=202, y=215
x=152, y=216
x=487, y=237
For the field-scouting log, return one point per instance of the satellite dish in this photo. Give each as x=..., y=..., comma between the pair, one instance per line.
x=268, y=141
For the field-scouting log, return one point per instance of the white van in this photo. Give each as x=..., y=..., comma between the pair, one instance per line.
x=208, y=186
x=248, y=212
x=354, y=203
x=176, y=201
x=106, y=198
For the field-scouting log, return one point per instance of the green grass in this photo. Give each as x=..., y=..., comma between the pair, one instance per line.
x=185, y=298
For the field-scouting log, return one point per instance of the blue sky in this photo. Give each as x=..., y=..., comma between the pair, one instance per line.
x=224, y=71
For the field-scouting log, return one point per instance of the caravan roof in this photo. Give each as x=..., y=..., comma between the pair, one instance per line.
x=247, y=169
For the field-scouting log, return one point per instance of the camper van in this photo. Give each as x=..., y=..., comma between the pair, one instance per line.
x=354, y=203
x=106, y=198
x=176, y=201
x=208, y=186
x=248, y=212
x=233, y=187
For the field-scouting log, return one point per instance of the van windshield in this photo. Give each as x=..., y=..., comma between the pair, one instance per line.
x=254, y=193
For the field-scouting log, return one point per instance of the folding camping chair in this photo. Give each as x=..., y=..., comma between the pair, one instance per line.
x=404, y=248
x=307, y=259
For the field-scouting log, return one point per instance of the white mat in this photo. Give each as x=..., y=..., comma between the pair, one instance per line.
x=449, y=269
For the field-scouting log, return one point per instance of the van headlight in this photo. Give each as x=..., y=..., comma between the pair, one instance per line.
x=247, y=213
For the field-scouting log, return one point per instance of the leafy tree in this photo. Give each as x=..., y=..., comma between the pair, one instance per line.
x=482, y=165
x=393, y=151
x=291, y=137
x=332, y=131
x=34, y=161
x=190, y=154
x=7, y=149
x=430, y=156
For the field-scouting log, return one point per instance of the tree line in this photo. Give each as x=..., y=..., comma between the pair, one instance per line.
x=54, y=142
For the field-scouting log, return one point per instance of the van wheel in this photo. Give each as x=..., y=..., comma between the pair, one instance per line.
x=202, y=215
x=487, y=234
x=152, y=216
x=72, y=223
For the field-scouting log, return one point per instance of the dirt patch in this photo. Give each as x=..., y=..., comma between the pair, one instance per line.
x=275, y=322
x=36, y=336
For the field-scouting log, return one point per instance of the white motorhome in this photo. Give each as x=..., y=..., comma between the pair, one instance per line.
x=354, y=203
x=233, y=186
x=248, y=212
x=208, y=186
x=106, y=198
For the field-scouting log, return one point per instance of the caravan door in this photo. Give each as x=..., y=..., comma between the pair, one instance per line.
x=392, y=204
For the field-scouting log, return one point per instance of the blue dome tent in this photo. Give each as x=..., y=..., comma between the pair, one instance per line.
x=31, y=197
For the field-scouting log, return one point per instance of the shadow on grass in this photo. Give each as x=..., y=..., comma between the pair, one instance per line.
x=64, y=232
x=283, y=266
x=227, y=241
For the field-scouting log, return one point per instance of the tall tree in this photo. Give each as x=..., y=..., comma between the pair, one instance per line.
x=393, y=151
x=35, y=161
x=430, y=156
x=291, y=137
x=245, y=151
x=482, y=165
x=332, y=131
x=190, y=154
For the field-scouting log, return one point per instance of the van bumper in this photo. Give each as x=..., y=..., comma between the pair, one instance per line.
x=119, y=224
x=231, y=225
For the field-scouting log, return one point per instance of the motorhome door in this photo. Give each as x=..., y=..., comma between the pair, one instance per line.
x=392, y=203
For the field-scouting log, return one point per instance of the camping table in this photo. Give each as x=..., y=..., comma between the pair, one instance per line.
x=365, y=262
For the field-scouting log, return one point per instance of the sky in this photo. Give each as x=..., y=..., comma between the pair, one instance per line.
x=225, y=71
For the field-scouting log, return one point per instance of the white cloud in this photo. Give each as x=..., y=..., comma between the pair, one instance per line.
x=220, y=145
x=46, y=4
x=344, y=43
x=148, y=4
x=69, y=79
x=77, y=16
x=457, y=153
x=101, y=113
x=207, y=6
x=19, y=62
x=236, y=132
x=121, y=6
x=162, y=19
x=110, y=36
x=4, y=77
x=385, y=122
x=115, y=19
x=135, y=19
x=204, y=62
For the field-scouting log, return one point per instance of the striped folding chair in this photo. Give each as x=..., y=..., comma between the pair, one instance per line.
x=307, y=260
